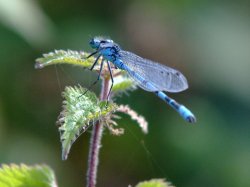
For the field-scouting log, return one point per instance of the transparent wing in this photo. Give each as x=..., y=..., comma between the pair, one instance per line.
x=163, y=78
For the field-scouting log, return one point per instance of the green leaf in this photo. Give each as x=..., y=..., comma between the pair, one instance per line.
x=123, y=83
x=154, y=183
x=80, y=111
x=65, y=57
x=27, y=176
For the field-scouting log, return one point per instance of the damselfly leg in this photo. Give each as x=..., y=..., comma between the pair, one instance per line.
x=99, y=75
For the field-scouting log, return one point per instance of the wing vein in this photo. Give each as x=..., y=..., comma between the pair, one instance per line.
x=163, y=78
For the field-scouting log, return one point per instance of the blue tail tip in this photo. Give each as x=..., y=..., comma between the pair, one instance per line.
x=191, y=119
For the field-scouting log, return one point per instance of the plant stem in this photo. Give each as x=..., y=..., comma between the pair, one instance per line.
x=95, y=141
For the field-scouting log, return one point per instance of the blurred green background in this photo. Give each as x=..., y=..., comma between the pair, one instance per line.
x=209, y=41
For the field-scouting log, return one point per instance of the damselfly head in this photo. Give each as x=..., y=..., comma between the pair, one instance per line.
x=97, y=41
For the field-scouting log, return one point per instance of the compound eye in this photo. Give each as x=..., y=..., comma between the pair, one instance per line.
x=94, y=43
x=91, y=42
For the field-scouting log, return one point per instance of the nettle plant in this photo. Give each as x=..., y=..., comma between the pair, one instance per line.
x=81, y=110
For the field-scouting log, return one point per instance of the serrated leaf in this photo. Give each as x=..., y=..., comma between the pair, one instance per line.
x=80, y=111
x=154, y=183
x=28, y=176
x=65, y=57
x=123, y=84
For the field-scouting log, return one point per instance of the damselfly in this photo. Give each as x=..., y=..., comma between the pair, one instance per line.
x=148, y=75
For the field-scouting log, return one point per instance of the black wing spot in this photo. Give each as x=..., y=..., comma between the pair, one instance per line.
x=161, y=72
x=177, y=73
x=168, y=73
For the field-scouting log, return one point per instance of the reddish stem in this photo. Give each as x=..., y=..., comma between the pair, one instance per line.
x=95, y=142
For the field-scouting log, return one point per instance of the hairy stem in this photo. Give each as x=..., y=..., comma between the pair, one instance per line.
x=95, y=141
